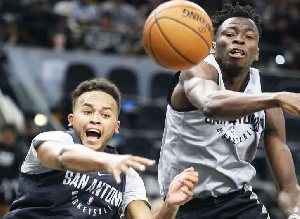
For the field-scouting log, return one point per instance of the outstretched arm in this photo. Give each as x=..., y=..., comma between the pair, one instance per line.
x=180, y=191
x=281, y=163
x=78, y=158
x=198, y=87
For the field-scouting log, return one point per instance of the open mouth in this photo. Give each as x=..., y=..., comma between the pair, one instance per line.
x=93, y=134
x=237, y=53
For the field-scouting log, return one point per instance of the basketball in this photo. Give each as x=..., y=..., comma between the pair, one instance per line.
x=178, y=35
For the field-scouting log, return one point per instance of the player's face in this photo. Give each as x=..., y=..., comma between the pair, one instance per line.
x=95, y=119
x=237, y=45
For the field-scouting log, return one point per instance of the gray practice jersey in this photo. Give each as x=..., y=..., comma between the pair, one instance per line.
x=134, y=187
x=221, y=151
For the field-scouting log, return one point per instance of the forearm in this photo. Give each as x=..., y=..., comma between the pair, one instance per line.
x=167, y=211
x=81, y=159
x=229, y=105
x=282, y=167
x=283, y=171
x=78, y=158
x=281, y=163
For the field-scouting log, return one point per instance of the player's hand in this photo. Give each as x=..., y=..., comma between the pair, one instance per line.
x=289, y=202
x=117, y=164
x=182, y=187
x=289, y=102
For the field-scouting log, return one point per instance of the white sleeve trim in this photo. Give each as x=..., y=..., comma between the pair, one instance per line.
x=32, y=165
x=134, y=190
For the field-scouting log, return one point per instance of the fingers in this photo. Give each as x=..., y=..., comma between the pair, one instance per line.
x=139, y=163
x=189, y=169
x=188, y=183
x=186, y=191
x=143, y=161
x=189, y=176
x=128, y=171
x=189, y=180
x=128, y=163
x=117, y=177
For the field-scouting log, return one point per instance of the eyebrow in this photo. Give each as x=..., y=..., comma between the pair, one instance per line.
x=88, y=105
x=91, y=106
x=236, y=28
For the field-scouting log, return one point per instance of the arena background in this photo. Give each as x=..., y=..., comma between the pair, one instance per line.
x=49, y=46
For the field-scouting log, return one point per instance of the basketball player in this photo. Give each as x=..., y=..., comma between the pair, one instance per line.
x=215, y=118
x=75, y=174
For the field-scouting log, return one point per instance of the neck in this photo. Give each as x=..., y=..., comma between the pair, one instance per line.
x=235, y=83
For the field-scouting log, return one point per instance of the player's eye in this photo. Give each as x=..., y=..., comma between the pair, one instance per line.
x=229, y=34
x=105, y=115
x=249, y=37
x=87, y=112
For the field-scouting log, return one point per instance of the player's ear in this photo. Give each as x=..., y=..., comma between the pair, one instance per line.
x=70, y=119
x=117, y=127
x=257, y=55
x=213, y=47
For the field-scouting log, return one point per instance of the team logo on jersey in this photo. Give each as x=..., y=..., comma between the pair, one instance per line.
x=104, y=196
x=232, y=129
x=231, y=132
x=90, y=201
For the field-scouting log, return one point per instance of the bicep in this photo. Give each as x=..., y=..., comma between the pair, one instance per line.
x=135, y=192
x=275, y=127
x=278, y=153
x=198, y=82
x=137, y=208
x=48, y=154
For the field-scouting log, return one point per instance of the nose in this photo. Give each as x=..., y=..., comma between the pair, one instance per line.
x=238, y=40
x=95, y=119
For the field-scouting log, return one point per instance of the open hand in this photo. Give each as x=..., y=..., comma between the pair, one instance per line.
x=290, y=102
x=117, y=164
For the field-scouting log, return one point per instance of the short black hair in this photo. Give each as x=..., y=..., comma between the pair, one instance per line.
x=236, y=10
x=97, y=84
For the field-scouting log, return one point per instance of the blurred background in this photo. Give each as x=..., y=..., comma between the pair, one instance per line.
x=49, y=46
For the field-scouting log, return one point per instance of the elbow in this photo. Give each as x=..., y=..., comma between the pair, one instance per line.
x=60, y=159
x=208, y=112
x=210, y=108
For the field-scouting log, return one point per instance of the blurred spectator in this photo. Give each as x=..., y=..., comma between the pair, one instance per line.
x=29, y=132
x=84, y=12
x=76, y=22
x=35, y=25
x=104, y=37
x=13, y=6
x=5, y=86
x=10, y=159
x=8, y=29
x=62, y=36
x=124, y=15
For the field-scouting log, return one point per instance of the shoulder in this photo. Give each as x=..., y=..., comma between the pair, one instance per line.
x=59, y=136
x=255, y=72
x=207, y=69
x=135, y=186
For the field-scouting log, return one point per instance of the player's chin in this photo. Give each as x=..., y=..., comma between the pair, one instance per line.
x=95, y=145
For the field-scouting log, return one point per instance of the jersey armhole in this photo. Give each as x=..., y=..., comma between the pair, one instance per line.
x=173, y=84
x=262, y=85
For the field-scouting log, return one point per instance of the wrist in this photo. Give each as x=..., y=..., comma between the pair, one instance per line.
x=171, y=206
x=278, y=97
x=104, y=160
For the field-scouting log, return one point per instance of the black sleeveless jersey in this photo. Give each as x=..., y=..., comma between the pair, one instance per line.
x=66, y=194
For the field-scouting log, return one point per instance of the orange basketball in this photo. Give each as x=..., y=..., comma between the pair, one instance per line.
x=178, y=34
